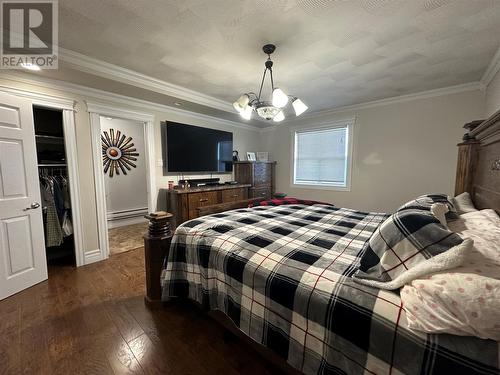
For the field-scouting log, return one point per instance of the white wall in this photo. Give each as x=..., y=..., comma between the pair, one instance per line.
x=493, y=96
x=127, y=192
x=401, y=150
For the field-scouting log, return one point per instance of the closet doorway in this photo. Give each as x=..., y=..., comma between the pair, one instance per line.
x=124, y=173
x=125, y=179
x=55, y=193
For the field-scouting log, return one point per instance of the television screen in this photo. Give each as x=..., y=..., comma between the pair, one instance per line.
x=188, y=148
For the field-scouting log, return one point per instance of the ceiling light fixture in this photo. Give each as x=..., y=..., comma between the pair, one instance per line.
x=269, y=110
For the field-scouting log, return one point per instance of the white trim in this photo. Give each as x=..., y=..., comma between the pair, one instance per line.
x=472, y=86
x=117, y=73
x=100, y=190
x=146, y=105
x=349, y=124
x=125, y=222
x=96, y=110
x=492, y=69
x=399, y=99
x=149, y=141
x=42, y=100
x=118, y=99
x=67, y=107
x=74, y=183
x=113, y=111
x=134, y=212
x=93, y=256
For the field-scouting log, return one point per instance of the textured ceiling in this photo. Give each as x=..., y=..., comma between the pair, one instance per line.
x=330, y=53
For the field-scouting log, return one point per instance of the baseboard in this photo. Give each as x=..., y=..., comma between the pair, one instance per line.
x=93, y=256
x=126, y=217
x=124, y=222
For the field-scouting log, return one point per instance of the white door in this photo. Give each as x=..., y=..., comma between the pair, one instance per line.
x=22, y=244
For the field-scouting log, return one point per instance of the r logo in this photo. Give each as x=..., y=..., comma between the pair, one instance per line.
x=29, y=34
x=27, y=28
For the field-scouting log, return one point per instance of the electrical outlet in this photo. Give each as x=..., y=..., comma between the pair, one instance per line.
x=159, y=162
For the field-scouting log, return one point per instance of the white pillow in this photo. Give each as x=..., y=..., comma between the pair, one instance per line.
x=463, y=203
x=465, y=300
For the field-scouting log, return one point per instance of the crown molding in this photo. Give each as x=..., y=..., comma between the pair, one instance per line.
x=103, y=69
x=492, y=69
x=472, y=86
x=109, y=97
x=316, y=116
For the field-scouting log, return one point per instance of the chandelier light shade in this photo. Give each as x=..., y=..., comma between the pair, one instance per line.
x=279, y=117
x=298, y=106
x=280, y=99
x=241, y=103
x=268, y=109
x=246, y=113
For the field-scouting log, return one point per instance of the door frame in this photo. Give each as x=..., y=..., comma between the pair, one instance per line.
x=67, y=106
x=96, y=110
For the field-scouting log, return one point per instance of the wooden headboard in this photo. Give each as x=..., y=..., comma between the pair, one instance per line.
x=478, y=167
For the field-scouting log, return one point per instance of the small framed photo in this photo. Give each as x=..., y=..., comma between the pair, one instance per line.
x=251, y=156
x=263, y=156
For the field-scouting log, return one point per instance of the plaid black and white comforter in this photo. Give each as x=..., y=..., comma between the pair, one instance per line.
x=283, y=275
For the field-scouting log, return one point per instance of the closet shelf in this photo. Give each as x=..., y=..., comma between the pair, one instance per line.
x=52, y=165
x=49, y=136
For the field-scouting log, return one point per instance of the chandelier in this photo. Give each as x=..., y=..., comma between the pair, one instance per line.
x=272, y=109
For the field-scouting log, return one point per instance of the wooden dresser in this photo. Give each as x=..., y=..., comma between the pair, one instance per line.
x=259, y=174
x=184, y=203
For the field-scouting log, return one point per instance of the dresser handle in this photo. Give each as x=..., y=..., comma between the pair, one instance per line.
x=262, y=193
x=235, y=195
x=203, y=200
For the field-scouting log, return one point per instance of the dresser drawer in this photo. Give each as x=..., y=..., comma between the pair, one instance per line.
x=196, y=200
x=261, y=193
x=233, y=195
x=262, y=174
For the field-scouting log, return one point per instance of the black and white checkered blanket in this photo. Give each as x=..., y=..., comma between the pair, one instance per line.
x=283, y=275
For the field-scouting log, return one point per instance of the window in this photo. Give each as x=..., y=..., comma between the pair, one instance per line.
x=322, y=157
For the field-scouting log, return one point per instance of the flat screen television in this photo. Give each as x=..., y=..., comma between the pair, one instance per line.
x=192, y=149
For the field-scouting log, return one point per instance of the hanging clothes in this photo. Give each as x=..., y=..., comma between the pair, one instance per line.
x=53, y=230
x=56, y=203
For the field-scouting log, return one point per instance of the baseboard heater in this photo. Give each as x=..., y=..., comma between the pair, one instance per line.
x=127, y=214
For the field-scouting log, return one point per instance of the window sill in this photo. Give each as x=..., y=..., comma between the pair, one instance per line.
x=321, y=187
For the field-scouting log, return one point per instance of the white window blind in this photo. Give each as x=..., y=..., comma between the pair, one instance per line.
x=321, y=157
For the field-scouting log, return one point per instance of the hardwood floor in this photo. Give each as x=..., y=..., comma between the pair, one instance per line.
x=126, y=238
x=92, y=320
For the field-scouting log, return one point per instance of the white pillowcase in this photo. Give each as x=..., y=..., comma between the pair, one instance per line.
x=465, y=300
x=463, y=203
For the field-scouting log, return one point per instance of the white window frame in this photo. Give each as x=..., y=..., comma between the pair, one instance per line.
x=349, y=125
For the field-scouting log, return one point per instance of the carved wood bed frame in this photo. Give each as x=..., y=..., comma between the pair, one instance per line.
x=478, y=166
x=478, y=172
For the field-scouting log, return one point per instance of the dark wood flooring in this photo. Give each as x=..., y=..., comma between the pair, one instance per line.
x=92, y=320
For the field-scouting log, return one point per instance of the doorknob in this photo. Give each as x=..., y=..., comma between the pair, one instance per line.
x=32, y=206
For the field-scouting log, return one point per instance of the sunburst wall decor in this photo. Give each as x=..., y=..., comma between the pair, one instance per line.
x=118, y=153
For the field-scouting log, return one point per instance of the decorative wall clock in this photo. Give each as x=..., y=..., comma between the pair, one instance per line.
x=118, y=153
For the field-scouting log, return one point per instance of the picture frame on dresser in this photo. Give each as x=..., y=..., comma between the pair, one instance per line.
x=251, y=156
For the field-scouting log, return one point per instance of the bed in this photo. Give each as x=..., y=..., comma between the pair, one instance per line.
x=282, y=275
